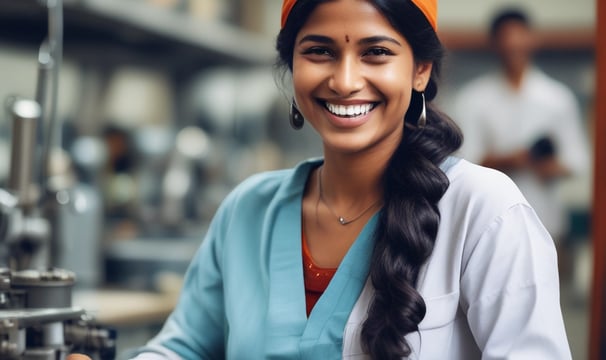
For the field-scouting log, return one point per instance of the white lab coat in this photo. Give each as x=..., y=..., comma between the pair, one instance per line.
x=491, y=286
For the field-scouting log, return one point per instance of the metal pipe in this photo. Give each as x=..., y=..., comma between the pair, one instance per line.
x=45, y=66
x=55, y=49
x=25, y=115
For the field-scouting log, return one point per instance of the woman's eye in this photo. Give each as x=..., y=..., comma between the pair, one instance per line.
x=378, y=52
x=318, y=51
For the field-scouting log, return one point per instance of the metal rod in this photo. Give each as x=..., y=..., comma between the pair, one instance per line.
x=45, y=65
x=55, y=44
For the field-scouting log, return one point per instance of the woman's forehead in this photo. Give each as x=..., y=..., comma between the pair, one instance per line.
x=347, y=20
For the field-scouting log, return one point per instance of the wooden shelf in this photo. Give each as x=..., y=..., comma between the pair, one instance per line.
x=118, y=31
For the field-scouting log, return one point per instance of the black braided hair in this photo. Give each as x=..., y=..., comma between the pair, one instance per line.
x=413, y=185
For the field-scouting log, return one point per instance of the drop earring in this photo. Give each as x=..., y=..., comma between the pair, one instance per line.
x=423, y=116
x=295, y=116
x=416, y=116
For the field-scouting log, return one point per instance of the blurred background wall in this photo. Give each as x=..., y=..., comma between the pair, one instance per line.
x=165, y=105
x=548, y=13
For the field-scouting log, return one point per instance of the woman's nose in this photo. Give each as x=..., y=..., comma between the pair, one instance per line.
x=347, y=77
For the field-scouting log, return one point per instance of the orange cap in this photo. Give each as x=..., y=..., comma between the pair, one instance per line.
x=428, y=7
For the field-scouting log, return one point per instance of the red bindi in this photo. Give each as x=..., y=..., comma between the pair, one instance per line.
x=347, y=38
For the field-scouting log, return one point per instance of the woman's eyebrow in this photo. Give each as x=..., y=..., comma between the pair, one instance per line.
x=378, y=39
x=317, y=38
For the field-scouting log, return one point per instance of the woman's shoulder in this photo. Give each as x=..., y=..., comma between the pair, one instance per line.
x=267, y=182
x=265, y=186
x=483, y=203
x=476, y=187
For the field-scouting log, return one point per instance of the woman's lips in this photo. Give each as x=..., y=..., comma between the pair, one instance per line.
x=350, y=115
x=353, y=110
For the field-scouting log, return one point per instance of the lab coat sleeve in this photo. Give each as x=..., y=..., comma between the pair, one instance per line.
x=510, y=290
x=196, y=327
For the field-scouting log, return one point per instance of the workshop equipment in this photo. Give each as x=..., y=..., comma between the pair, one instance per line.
x=37, y=319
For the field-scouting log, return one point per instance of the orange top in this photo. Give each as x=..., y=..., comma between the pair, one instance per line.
x=428, y=7
x=316, y=279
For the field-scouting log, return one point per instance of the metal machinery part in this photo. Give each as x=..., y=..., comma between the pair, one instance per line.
x=37, y=319
x=38, y=322
x=23, y=229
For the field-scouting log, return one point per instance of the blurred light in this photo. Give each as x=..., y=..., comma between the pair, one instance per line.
x=154, y=141
x=177, y=183
x=63, y=197
x=193, y=142
x=81, y=203
x=89, y=152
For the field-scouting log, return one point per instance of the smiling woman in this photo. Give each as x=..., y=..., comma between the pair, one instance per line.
x=386, y=248
x=355, y=93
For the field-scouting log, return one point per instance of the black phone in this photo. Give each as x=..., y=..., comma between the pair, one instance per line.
x=542, y=148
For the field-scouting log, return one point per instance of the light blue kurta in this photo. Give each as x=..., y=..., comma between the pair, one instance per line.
x=244, y=291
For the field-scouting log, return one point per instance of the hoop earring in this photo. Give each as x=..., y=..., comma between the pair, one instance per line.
x=295, y=117
x=423, y=116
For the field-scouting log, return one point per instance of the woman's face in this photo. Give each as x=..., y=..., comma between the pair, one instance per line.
x=353, y=76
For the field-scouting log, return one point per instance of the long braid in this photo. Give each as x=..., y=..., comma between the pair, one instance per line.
x=405, y=236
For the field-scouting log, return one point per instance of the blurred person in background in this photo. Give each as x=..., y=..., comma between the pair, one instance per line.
x=522, y=122
x=387, y=247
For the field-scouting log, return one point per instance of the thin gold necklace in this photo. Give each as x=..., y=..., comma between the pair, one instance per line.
x=340, y=219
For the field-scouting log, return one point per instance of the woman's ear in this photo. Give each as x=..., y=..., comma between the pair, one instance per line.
x=422, y=73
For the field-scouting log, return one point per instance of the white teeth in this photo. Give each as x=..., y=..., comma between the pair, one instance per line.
x=350, y=110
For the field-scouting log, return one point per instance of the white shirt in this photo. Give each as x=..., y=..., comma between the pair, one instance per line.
x=498, y=120
x=490, y=286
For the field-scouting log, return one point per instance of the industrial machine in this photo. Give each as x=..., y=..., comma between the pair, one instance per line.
x=37, y=319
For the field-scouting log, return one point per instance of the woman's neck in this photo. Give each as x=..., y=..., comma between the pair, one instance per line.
x=351, y=180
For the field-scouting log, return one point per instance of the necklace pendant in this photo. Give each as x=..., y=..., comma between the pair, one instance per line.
x=342, y=220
